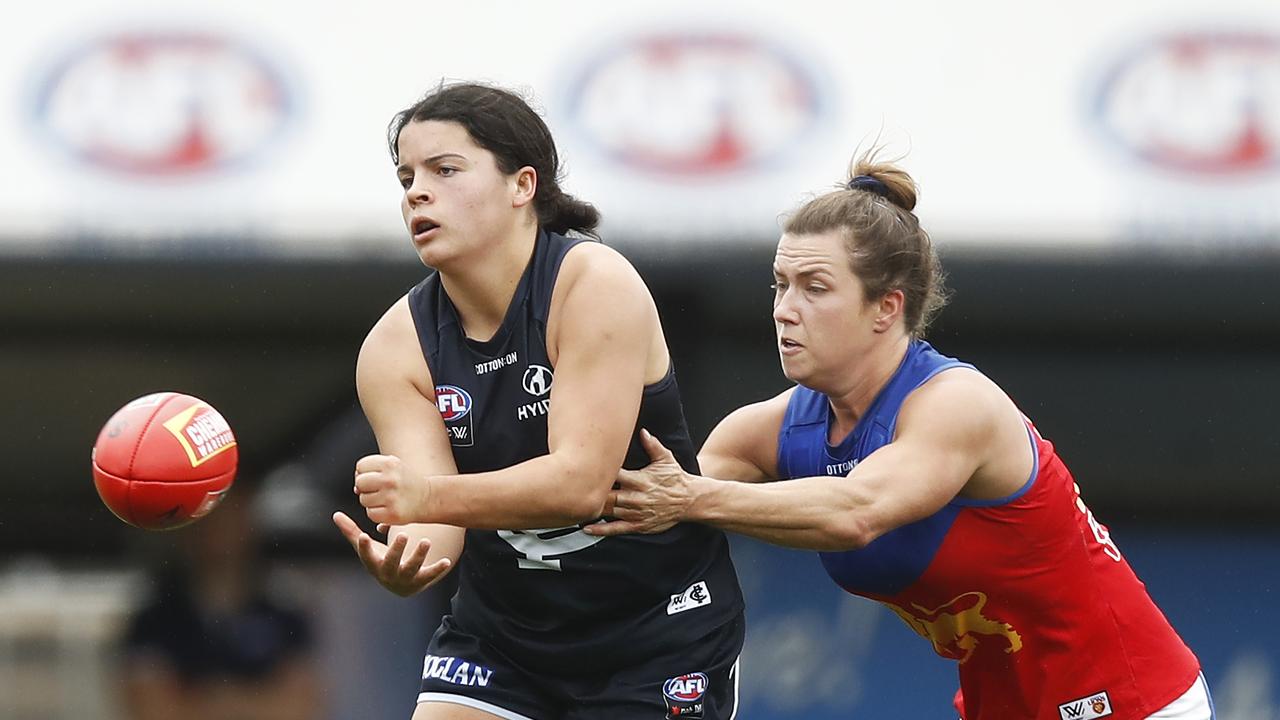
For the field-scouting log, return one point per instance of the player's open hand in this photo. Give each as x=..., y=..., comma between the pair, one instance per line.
x=649, y=500
x=388, y=564
x=388, y=493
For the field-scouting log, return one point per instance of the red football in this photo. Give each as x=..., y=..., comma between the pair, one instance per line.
x=164, y=460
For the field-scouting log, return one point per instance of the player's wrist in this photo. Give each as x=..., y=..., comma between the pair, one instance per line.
x=425, y=511
x=700, y=499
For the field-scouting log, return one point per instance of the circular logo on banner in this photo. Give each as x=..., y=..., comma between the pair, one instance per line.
x=693, y=103
x=162, y=103
x=1199, y=101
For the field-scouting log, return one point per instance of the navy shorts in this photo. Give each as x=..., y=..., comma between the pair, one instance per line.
x=698, y=681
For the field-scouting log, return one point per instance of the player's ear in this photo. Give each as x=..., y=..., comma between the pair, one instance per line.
x=524, y=186
x=888, y=309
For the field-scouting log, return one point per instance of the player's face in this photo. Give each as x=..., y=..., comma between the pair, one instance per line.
x=456, y=203
x=822, y=318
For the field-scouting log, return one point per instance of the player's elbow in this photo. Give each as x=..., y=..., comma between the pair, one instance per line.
x=587, y=493
x=587, y=504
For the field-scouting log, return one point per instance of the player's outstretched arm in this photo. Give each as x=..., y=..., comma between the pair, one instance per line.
x=944, y=435
x=743, y=447
x=395, y=391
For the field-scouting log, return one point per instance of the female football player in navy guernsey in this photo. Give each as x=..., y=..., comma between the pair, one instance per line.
x=506, y=390
x=921, y=484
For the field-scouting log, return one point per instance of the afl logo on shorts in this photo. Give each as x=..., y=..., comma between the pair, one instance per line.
x=162, y=103
x=684, y=695
x=453, y=402
x=693, y=103
x=1198, y=101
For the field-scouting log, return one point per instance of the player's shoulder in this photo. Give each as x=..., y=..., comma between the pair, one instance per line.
x=597, y=264
x=960, y=395
x=962, y=385
x=395, y=327
x=391, y=347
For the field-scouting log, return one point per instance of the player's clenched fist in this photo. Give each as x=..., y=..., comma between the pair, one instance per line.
x=388, y=493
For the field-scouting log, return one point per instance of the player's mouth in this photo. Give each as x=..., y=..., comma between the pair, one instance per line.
x=423, y=229
x=787, y=346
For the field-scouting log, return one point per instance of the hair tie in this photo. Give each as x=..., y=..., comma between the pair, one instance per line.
x=869, y=184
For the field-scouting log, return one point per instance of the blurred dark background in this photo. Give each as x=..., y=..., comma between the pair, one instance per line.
x=1155, y=376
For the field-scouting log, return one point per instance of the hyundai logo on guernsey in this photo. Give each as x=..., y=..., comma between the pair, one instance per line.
x=537, y=382
x=166, y=103
x=1198, y=101
x=693, y=104
x=684, y=695
x=454, y=405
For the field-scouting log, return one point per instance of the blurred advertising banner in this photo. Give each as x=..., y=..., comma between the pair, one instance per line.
x=259, y=128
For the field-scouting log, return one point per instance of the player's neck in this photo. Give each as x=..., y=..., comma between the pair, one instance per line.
x=866, y=379
x=482, y=289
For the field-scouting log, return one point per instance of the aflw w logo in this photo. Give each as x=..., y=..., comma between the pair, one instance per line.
x=1096, y=705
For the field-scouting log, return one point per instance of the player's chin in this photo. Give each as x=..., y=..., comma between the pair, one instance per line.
x=794, y=369
x=433, y=253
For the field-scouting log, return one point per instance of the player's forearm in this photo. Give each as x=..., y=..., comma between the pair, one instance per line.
x=807, y=513
x=543, y=492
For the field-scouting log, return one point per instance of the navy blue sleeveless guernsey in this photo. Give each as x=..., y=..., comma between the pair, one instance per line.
x=558, y=600
x=898, y=557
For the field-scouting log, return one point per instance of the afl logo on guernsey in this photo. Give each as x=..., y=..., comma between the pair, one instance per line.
x=684, y=695
x=454, y=402
x=1195, y=101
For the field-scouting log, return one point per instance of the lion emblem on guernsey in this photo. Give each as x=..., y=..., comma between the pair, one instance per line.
x=957, y=627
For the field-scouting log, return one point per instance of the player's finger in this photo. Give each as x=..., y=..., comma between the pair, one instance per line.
x=410, y=565
x=432, y=571
x=368, y=554
x=629, y=478
x=371, y=463
x=348, y=527
x=609, y=529
x=372, y=499
x=384, y=528
x=630, y=514
x=395, y=551
x=370, y=482
x=657, y=451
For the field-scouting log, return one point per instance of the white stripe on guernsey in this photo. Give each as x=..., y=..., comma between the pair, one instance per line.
x=733, y=673
x=472, y=703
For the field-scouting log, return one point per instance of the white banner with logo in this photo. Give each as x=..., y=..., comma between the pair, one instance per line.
x=259, y=128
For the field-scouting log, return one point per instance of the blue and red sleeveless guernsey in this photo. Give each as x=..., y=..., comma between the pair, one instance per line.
x=1028, y=593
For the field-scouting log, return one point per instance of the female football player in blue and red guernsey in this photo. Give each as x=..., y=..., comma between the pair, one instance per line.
x=921, y=484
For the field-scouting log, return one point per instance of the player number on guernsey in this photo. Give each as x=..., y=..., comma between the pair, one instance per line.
x=542, y=548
